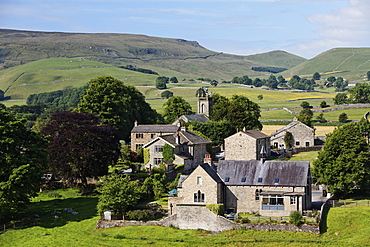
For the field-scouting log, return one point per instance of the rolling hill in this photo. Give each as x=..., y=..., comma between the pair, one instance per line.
x=23, y=52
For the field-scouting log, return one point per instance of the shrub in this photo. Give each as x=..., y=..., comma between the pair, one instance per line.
x=143, y=215
x=245, y=220
x=296, y=218
x=216, y=208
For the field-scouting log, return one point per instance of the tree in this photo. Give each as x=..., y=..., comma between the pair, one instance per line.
x=116, y=104
x=305, y=105
x=216, y=131
x=288, y=140
x=305, y=116
x=343, y=118
x=214, y=83
x=239, y=111
x=360, y=93
x=23, y=159
x=174, y=79
x=161, y=82
x=368, y=75
x=344, y=163
x=316, y=76
x=80, y=146
x=340, y=98
x=175, y=107
x=272, y=82
x=321, y=118
x=117, y=193
x=340, y=84
x=323, y=104
x=166, y=94
x=1, y=95
x=260, y=97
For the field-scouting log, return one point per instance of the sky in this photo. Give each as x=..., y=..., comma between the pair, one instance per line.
x=242, y=27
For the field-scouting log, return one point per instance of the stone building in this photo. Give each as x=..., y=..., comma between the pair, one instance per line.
x=303, y=136
x=270, y=188
x=189, y=149
x=142, y=134
x=247, y=145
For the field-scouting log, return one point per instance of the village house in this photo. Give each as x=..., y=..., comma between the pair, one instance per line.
x=142, y=134
x=188, y=118
x=246, y=145
x=189, y=149
x=270, y=188
x=303, y=135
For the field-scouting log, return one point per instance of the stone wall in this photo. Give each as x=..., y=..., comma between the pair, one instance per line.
x=199, y=217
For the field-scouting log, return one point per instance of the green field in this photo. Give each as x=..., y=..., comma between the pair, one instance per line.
x=345, y=227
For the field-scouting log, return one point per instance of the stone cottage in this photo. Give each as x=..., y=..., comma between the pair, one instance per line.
x=270, y=188
x=303, y=135
x=246, y=145
x=142, y=134
x=189, y=149
x=188, y=118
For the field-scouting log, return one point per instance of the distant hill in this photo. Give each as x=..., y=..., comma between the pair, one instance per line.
x=349, y=63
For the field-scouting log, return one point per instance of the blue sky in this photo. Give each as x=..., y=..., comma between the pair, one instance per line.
x=244, y=27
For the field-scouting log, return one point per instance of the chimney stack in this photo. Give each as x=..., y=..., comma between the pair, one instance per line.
x=263, y=154
x=183, y=128
x=135, y=123
x=207, y=159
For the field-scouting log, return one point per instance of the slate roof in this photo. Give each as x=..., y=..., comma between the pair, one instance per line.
x=155, y=128
x=198, y=117
x=186, y=137
x=211, y=172
x=289, y=173
x=181, y=179
x=285, y=128
x=256, y=134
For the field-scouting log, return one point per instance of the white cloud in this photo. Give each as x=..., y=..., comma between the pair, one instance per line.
x=345, y=27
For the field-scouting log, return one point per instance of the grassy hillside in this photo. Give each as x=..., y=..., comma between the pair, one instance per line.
x=349, y=63
x=345, y=227
x=170, y=57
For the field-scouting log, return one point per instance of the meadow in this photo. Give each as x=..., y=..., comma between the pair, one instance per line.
x=345, y=227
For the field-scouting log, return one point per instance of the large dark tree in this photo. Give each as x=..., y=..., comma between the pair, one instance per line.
x=116, y=104
x=239, y=111
x=216, y=131
x=80, y=146
x=175, y=107
x=360, y=93
x=344, y=163
x=23, y=159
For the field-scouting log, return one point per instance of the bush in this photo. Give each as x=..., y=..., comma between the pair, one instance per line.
x=245, y=220
x=143, y=215
x=216, y=208
x=296, y=218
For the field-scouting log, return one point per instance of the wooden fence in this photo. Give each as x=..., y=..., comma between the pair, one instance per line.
x=344, y=203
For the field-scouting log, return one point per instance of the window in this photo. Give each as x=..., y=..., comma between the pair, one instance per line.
x=273, y=202
x=152, y=136
x=293, y=200
x=199, y=180
x=139, y=135
x=276, y=145
x=227, y=179
x=139, y=146
x=259, y=180
x=243, y=179
x=157, y=161
x=276, y=180
x=297, y=143
x=199, y=196
x=307, y=144
x=158, y=149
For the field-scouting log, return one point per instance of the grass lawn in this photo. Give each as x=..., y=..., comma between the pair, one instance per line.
x=346, y=227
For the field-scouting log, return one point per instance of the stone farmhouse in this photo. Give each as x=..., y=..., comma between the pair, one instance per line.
x=246, y=145
x=270, y=188
x=303, y=136
x=189, y=149
x=142, y=134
